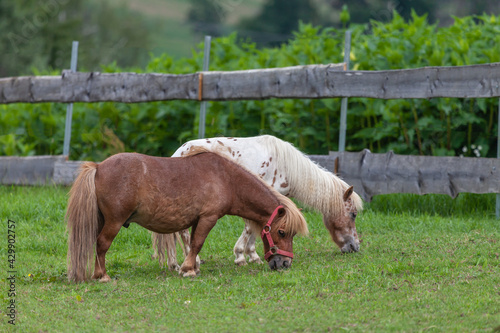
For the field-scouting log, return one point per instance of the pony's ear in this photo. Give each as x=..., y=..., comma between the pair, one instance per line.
x=348, y=193
x=281, y=212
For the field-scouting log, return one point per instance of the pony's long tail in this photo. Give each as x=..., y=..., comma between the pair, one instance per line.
x=159, y=246
x=83, y=223
x=167, y=242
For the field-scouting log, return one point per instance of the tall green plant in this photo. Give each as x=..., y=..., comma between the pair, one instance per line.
x=441, y=126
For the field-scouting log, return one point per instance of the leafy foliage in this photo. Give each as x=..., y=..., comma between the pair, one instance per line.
x=431, y=127
x=39, y=33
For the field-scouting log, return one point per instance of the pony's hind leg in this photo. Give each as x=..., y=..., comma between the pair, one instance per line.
x=104, y=240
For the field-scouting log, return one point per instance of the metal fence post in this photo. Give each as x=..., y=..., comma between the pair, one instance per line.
x=69, y=108
x=343, y=106
x=203, y=106
x=498, y=156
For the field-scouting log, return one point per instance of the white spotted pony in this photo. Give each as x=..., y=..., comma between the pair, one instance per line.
x=292, y=174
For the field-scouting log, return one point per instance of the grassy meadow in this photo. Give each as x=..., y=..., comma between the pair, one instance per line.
x=427, y=264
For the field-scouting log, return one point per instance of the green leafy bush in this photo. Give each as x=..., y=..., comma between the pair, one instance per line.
x=430, y=127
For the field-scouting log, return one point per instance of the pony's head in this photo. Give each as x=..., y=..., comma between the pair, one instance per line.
x=278, y=234
x=342, y=226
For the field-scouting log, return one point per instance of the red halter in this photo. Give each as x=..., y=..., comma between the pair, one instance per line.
x=266, y=232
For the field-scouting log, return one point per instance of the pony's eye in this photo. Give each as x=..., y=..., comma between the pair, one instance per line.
x=353, y=215
x=281, y=233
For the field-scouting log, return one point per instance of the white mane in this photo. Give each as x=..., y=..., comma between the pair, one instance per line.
x=309, y=183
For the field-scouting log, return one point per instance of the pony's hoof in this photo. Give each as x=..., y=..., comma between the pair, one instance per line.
x=190, y=273
x=241, y=262
x=255, y=261
x=105, y=279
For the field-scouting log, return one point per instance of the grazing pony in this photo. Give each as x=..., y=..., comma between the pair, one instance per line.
x=166, y=195
x=291, y=173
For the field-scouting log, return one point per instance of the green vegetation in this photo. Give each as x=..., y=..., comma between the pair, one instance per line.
x=38, y=34
x=430, y=127
x=426, y=263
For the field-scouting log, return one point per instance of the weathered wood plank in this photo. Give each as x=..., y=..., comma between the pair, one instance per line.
x=477, y=81
x=373, y=174
x=127, y=87
x=33, y=170
x=311, y=81
x=65, y=172
x=288, y=82
x=370, y=174
x=30, y=89
x=326, y=82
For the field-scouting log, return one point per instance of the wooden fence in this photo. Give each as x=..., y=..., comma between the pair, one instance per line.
x=312, y=81
x=371, y=174
x=37, y=170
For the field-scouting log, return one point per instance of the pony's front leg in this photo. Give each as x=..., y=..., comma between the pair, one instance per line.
x=250, y=248
x=104, y=240
x=246, y=245
x=199, y=232
x=186, y=240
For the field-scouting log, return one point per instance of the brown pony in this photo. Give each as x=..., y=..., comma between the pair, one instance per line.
x=166, y=195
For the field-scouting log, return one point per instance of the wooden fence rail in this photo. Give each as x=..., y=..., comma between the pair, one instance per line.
x=311, y=81
x=370, y=174
x=373, y=174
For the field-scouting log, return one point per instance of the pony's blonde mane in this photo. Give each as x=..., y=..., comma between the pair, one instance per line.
x=309, y=183
x=292, y=222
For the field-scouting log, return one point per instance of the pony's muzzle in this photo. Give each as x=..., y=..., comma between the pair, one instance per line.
x=278, y=261
x=351, y=245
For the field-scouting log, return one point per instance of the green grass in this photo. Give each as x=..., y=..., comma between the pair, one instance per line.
x=427, y=264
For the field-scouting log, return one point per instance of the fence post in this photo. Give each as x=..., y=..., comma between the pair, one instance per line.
x=498, y=156
x=69, y=108
x=343, y=106
x=203, y=106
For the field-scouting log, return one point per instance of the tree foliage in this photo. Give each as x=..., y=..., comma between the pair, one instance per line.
x=38, y=34
x=277, y=19
x=441, y=126
x=206, y=17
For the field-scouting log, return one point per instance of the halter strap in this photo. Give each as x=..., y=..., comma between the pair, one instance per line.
x=266, y=233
